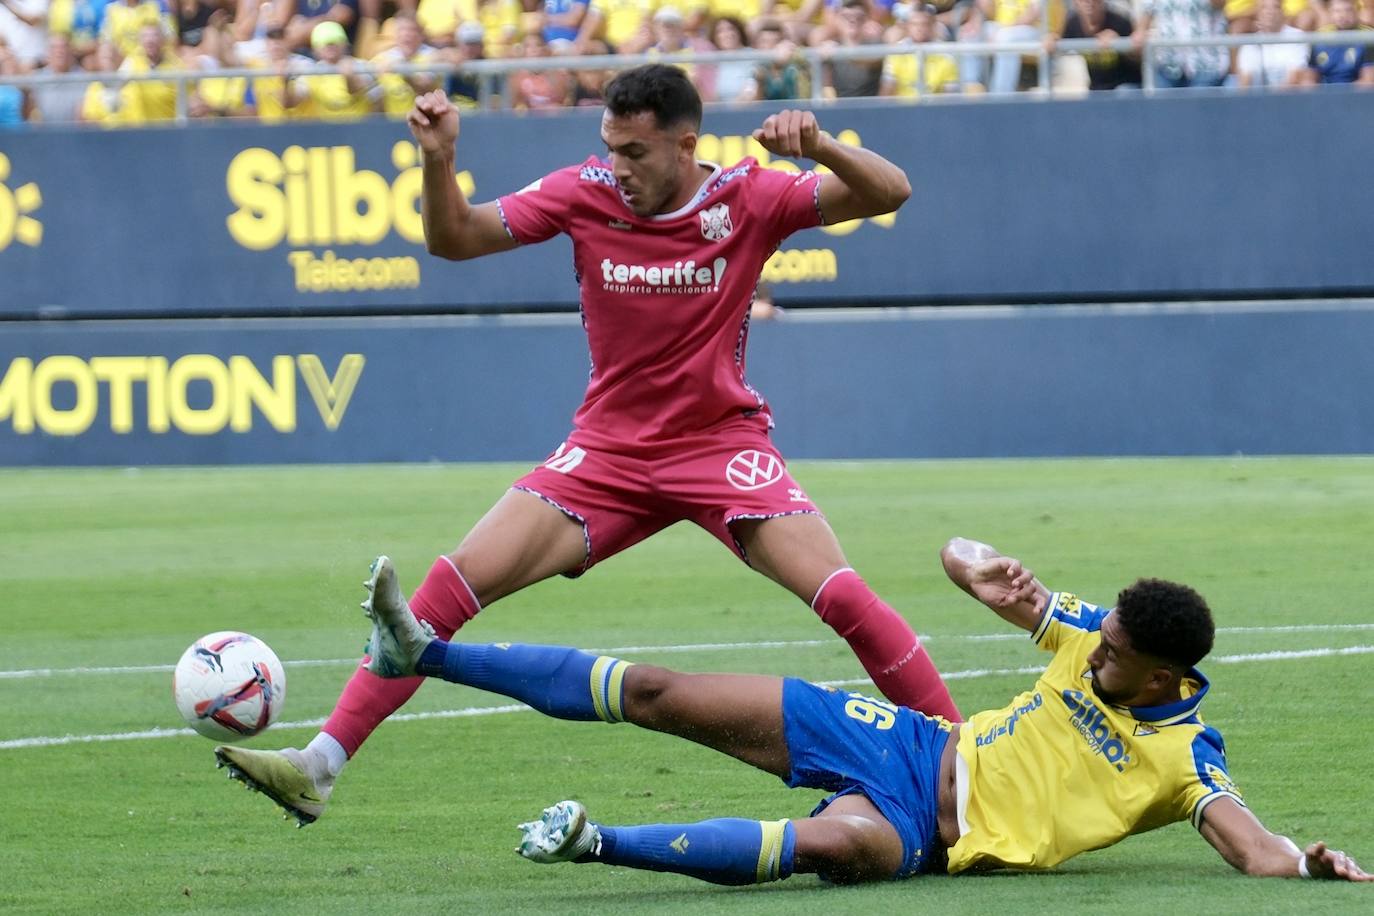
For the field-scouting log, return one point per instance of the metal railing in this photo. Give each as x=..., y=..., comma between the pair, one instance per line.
x=490, y=73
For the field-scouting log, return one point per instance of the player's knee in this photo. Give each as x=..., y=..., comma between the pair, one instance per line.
x=486, y=580
x=847, y=850
x=648, y=693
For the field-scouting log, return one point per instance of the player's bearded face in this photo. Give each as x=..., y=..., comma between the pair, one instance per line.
x=1118, y=673
x=649, y=162
x=1113, y=697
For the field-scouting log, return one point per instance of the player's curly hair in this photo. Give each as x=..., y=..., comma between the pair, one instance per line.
x=1166, y=620
x=661, y=88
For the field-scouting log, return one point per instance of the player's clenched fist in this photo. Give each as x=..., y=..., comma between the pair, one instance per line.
x=434, y=122
x=791, y=133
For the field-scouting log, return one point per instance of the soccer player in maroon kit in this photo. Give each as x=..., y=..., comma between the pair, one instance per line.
x=668, y=251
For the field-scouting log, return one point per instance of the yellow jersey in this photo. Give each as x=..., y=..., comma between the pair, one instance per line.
x=397, y=94
x=1058, y=771
x=441, y=17
x=332, y=100
x=1235, y=9
x=1006, y=12
x=123, y=23
x=500, y=19
x=622, y=19
x=268, y=93
x=226, y=95
x=147, y=101
x=937, y=73
x=61, y=17
x=745, y=11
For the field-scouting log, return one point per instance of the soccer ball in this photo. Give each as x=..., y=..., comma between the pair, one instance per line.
x=229, y=686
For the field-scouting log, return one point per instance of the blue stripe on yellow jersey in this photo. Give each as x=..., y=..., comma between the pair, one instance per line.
x=1058, y=771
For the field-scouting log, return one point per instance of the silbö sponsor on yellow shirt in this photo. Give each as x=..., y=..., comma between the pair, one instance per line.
x=313, y=198
x=1091, y=722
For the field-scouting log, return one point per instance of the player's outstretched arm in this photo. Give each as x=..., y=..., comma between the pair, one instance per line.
x=1001, y=583
x=454, y=228
x=863, y=183
x=1244, y=842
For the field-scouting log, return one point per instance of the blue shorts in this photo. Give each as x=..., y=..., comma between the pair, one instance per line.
x=847, y=742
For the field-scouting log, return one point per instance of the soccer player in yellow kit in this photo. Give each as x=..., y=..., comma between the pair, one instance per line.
x=1106, y=744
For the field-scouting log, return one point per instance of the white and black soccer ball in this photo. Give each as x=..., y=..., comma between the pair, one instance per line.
x=229, y=686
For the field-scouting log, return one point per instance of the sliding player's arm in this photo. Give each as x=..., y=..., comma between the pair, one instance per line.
x=1245, y=843
x=862, y=183
x=454, y=228
x=1001, y=583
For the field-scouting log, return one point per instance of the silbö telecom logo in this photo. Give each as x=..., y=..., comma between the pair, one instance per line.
x=1091, y=723
x=15, y=206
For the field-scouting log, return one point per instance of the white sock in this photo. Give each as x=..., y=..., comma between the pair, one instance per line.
x=326, y=748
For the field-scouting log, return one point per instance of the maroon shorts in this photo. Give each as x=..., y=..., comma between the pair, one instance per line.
x=713, y=480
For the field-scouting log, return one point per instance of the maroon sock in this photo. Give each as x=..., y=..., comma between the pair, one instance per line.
x=447, y=602
x=885, y=644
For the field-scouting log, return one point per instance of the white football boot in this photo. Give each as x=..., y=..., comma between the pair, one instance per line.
x=561, y=834
x=398, y=639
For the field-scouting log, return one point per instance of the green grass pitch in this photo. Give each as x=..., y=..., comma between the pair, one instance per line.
x=123, y=569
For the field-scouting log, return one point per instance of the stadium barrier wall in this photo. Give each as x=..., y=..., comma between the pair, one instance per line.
x=1253, y=378
x=1095, y=200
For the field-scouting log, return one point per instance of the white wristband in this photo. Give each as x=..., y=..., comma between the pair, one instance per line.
x=1302, y=866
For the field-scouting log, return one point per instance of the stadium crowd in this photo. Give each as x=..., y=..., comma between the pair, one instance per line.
x=308, y=52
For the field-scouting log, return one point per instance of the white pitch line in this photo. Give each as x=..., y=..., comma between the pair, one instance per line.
x=469, y=711
x=1285, y=655
x=25, y=673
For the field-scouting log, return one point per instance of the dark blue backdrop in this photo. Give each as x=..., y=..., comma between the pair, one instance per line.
x=1027, y=381
x=1100, y=199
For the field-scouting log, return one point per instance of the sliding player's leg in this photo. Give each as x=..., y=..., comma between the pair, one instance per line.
x=848, y=842
x=801, y=553
x=521, y=540
x=739, y=715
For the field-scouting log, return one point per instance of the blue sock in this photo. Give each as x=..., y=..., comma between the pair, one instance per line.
x=726, y=850
x=557, y=681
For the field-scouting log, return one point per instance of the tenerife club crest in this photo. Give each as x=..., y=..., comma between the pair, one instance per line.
x=715, y=223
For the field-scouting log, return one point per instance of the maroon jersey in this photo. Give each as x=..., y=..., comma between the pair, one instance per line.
x=665, y=298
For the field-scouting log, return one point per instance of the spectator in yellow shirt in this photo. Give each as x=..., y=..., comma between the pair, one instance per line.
x=906, y=76
x=269, y=95
x=624, y=24
x=398, y=90
x=703, y=14
x=149, y=101
x=101, y=100
x=345, y=95
x=124, y=19
x=218, y=96
x=439, y=19
x=500, y=21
